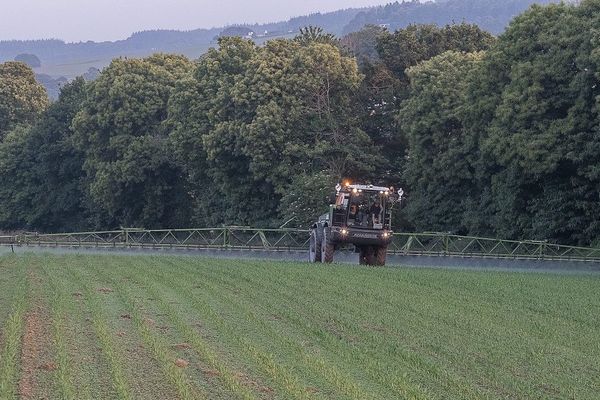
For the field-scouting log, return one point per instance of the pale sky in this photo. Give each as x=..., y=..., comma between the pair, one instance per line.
x=98, y=20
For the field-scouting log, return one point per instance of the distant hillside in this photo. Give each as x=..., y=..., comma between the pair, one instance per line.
x=491, y=15
x=72, y=59
x=60, y=59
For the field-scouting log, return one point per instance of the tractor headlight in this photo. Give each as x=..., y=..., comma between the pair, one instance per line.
x=344, y=232
x=386, y=235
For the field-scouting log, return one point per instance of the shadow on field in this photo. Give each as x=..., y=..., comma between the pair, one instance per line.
x=344, y=257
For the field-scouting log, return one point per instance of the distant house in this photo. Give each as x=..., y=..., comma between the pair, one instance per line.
x=239, y=31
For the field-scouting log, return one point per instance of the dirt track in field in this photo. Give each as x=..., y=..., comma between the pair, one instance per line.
x=36, y=341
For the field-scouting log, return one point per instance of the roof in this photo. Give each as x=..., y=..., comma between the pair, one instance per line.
x=369, y=188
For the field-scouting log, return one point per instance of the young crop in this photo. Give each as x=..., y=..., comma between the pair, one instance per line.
x=109, y=350
x=64, y=365
x=11, y=331
x=190, y=328
x=158, y=347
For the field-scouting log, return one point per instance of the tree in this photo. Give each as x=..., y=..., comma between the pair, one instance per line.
x=205, y=119
x=386, y=85
x=260, y=122
x=22, y=99
x=441, y=156
x=122, y=130
x=535, y=100
x=407, y=47
x=41, y=176
x=315, y=34
x=363, y=44
x=304, y=125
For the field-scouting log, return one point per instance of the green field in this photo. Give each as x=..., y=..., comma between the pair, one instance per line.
x=155, y=327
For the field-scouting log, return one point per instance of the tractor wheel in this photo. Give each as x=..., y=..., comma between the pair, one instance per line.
x=370, y=256
x=366, y=256
x=314, y=251
x=327, y=248
x=381, y=254
x=362, y=256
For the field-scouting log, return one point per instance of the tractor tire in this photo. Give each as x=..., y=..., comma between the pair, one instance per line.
x=362, y=256
x=327, y=248
x=366, y=256
x=370, y=256
x=314, y=251
x=380, y=255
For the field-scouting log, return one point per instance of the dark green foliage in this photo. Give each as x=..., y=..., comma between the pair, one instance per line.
x=439, y=168
x=22, y=99
x=407, y=47
x=363, y=44
x=132, y=176
x=386, y=85
x=487, y=136
x=536, y=100
x=314, y=34
x=41, y=171
x=254, y=121
x=206, y=123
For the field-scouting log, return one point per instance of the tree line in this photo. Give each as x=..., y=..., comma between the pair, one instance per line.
x=490, y=15
x=488, y=136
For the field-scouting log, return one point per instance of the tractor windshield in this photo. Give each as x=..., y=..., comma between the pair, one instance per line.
x=367, y=209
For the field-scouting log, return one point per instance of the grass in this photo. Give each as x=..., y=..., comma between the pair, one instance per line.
x=147, y=327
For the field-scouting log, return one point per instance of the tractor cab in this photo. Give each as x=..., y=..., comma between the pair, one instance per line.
x=362, y=207
x=360, y=215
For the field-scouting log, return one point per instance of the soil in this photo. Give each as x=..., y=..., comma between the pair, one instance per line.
x=35, y=344
x=49, y=366
x=210, y=372
x=254, y=385
x=181, y=363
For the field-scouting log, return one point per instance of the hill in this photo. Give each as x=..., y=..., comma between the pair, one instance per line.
x=61, y=59
x=491, y=15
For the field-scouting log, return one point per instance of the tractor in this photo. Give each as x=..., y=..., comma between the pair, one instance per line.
x=359, y=216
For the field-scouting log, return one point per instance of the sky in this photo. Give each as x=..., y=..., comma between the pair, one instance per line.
x=100, y=20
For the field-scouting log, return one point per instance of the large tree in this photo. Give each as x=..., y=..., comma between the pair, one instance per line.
x=535, y=99
x=205, y=118
x=267, y=120
x=304, y=126
x=415, y=43
x=41, y=176
x=442, y=155
x=386, y=84
x=131, y=174
x=22, y=99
